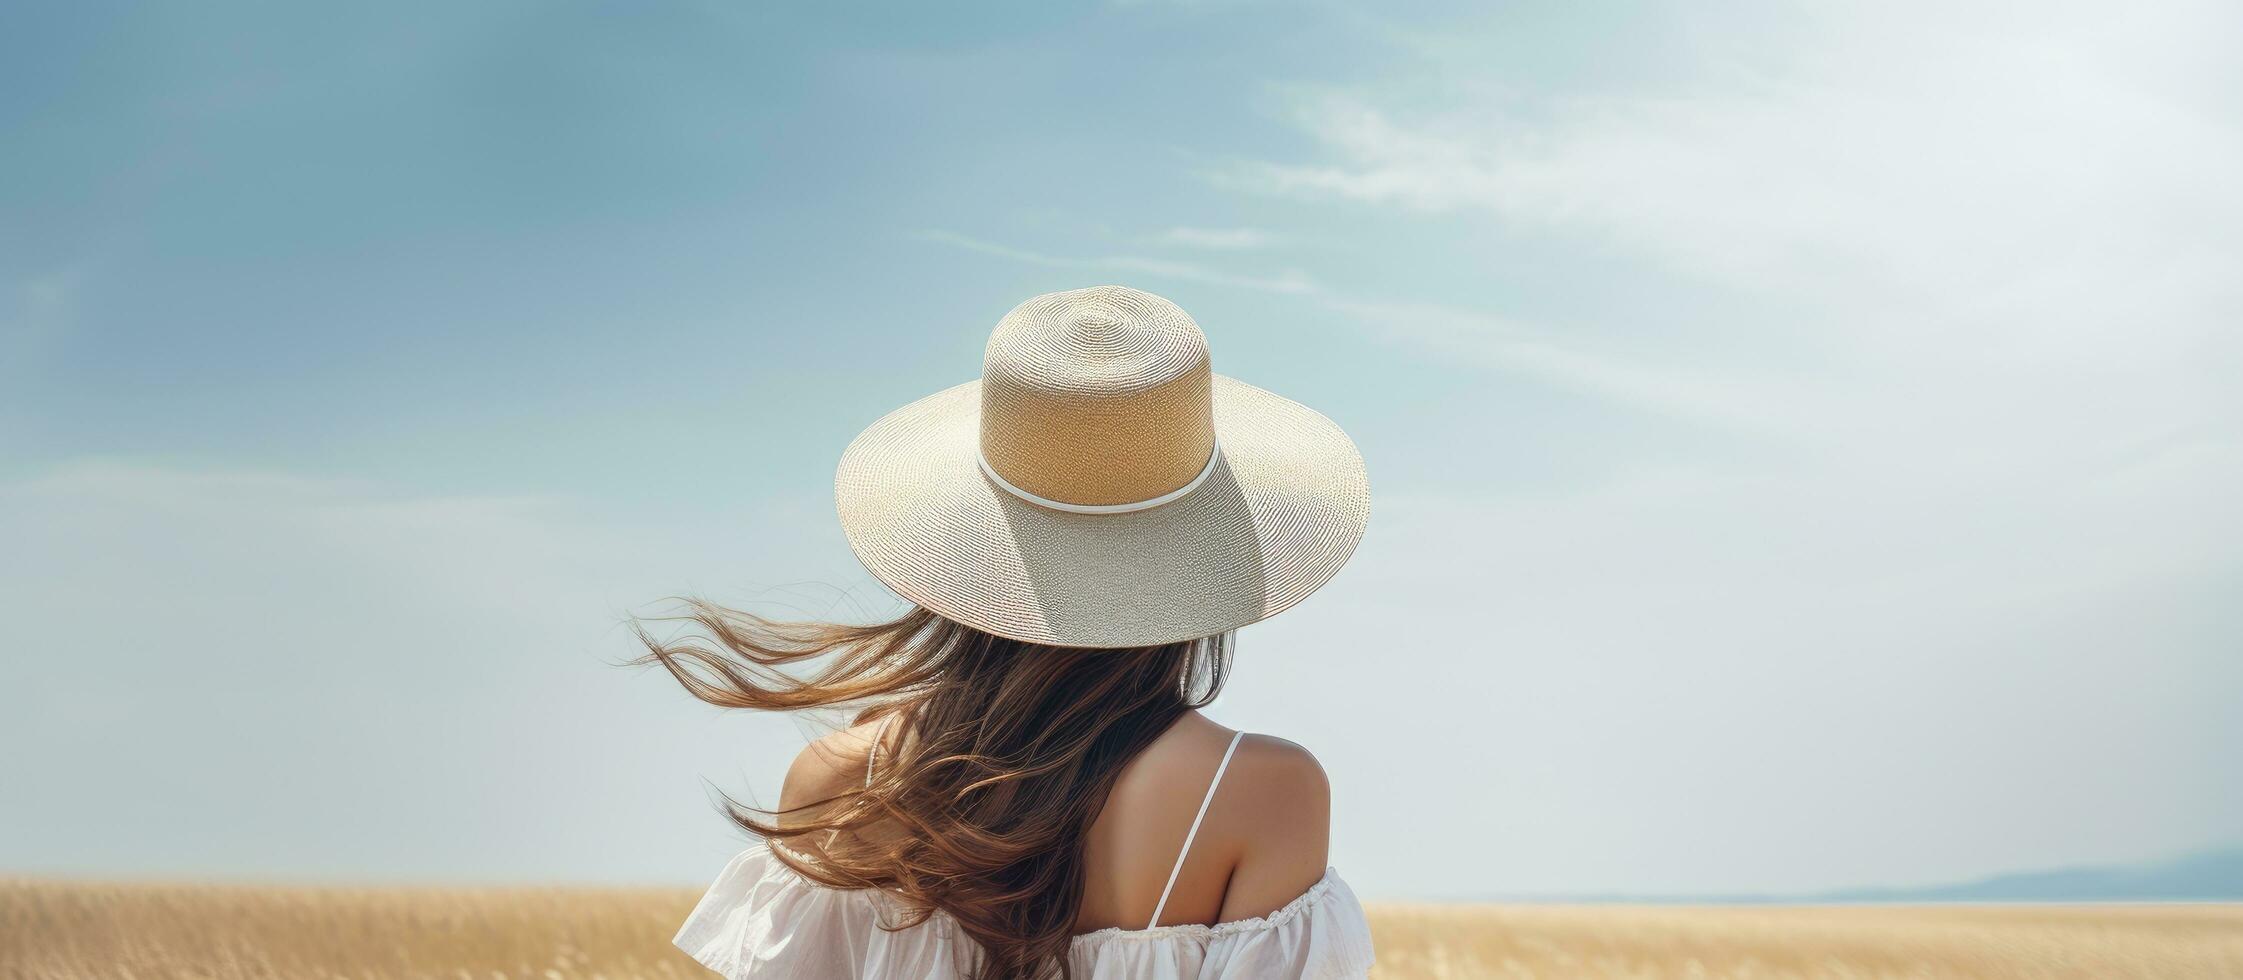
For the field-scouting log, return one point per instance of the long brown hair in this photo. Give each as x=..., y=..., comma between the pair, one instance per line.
x=1003, y=755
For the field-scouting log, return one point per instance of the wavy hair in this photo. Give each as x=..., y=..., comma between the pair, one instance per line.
x=997, y=757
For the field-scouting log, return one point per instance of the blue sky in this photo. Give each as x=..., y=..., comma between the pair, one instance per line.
x=1804, y=444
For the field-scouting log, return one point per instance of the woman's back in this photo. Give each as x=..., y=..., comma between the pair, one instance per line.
x=1080, y=534
x=1262, y=842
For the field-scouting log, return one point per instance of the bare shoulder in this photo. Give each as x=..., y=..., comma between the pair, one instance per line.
x=1282, y=780
x=827, y=768
x=1260, y=844
x=1276, y=808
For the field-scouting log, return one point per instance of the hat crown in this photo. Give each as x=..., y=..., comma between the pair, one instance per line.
x=1097, y=397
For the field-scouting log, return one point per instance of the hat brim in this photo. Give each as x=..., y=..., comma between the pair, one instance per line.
x=1275, y=520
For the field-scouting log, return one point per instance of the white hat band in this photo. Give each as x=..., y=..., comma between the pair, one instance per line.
x=1060, y=505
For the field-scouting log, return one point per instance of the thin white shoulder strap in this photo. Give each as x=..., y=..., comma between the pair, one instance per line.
x=878, y=734
x=1194, y=832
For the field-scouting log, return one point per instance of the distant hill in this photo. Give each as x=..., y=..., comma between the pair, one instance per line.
x=2208, y=876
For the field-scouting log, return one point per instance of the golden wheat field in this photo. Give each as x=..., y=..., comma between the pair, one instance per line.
x=141, y=932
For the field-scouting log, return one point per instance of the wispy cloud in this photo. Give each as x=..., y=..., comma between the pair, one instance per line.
x=1289, y=281
x=1723, y=396
x=1976, y=159
x=1962, y=230
x=1491, y=340
x=1978, y=280
x=1232, y=239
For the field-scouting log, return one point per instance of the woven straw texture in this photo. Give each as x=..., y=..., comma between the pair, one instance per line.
x=1096, y=397
x=1279, y=516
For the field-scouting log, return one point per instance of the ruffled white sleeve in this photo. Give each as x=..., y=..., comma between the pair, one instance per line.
x=762, y=919
x=1321, y=935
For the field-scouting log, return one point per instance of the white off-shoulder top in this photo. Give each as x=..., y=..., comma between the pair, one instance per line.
x=764, y=919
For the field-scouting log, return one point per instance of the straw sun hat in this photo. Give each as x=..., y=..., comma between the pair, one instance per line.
x=1100, y=486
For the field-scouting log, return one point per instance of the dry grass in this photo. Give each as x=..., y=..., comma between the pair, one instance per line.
x=2164, y=941
x=81, y=931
